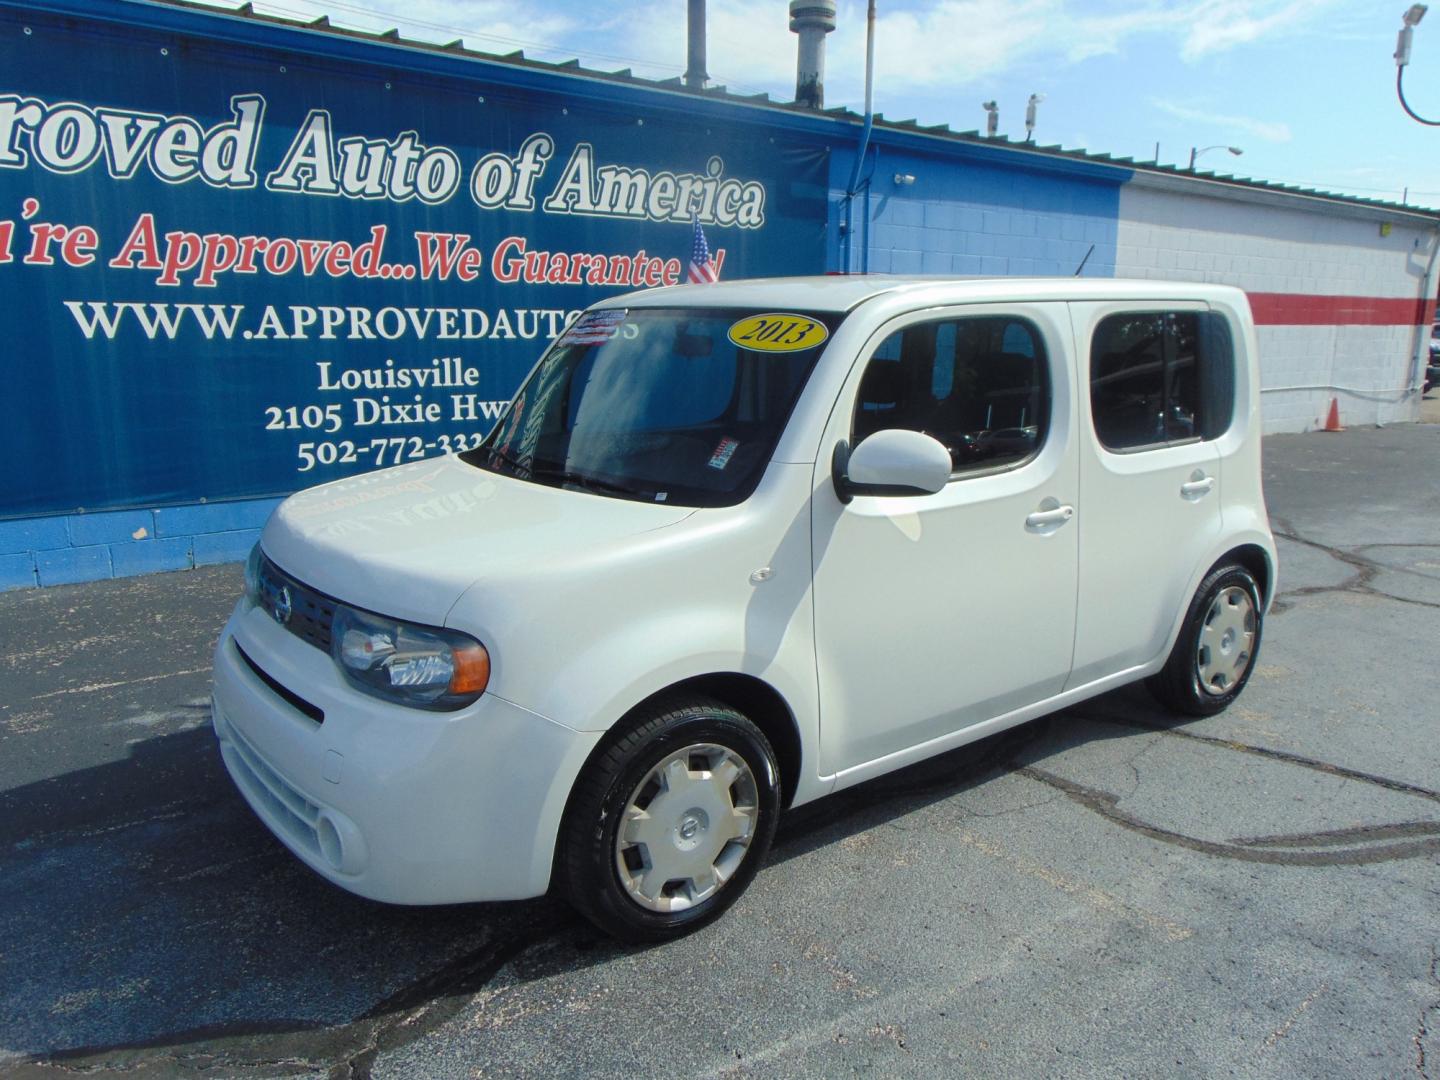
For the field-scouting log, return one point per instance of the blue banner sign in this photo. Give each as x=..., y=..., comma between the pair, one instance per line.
x=234, y=271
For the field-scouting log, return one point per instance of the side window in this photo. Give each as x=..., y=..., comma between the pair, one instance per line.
x=1127, y=380
x=1161, y=377
x=978, y=385
x=1216, y=351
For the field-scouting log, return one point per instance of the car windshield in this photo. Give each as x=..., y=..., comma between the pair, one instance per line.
x=672, y=405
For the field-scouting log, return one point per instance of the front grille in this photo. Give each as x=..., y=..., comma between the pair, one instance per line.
x=302, y=610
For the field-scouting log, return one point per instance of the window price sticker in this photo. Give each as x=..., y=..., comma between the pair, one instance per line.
x=723, y=453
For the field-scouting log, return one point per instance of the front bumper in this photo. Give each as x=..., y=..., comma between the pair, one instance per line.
x=396, y=804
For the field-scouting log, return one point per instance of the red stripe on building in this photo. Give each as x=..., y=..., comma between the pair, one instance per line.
x=1298, y=309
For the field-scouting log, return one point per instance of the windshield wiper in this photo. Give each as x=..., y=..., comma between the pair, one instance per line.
x=491, y=455
x=590, y=483
x=559, y=474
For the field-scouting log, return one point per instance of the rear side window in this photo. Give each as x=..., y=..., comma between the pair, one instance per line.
x=978, y=385
x=1161, y=377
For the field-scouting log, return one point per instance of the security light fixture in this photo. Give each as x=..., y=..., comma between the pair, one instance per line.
x=904, y=179
x=1035, y=99
x=1407, y=32
x=1410, y=20
x=992, y=117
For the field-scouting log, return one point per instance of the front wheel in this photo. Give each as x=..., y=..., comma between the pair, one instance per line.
x=668, y=824
x=1215, y=653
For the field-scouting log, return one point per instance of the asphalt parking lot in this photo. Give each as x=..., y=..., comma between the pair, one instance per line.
x=1104, y=892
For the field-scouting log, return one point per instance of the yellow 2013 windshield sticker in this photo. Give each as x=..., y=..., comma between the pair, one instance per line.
x=778, y=332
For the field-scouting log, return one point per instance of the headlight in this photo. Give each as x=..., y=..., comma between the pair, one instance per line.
x=252, y=575
x=420, y=666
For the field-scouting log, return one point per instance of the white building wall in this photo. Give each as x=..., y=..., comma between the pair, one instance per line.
x=1297, y=256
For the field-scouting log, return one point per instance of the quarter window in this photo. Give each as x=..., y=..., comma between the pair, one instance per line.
x=978, y=385
x=1161, y=377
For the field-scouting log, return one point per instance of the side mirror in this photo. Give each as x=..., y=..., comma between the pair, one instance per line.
x=891, y=462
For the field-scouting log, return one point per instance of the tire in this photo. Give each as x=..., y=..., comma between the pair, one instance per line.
x=1215, y=653
x=655, y=842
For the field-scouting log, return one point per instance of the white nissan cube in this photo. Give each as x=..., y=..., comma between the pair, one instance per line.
x=735, y=547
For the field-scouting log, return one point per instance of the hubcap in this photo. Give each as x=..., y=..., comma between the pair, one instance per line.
x=686, y=827
x=1227, y=641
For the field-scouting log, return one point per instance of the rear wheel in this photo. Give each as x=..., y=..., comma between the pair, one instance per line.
x=1215, y=653
x=668, y=824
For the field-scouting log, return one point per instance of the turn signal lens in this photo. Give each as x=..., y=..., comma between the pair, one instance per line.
x=472, y=670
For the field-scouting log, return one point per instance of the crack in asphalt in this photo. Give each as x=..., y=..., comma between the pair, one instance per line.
x=1286, y=756
x=427, y=1003
x=1106, y=805
x=1338, y=837
x=168, y=1058
x=1284, y=1029
x=413, y=1011
x=1366, y=570
x=1417, y=838
x=1422, y=1033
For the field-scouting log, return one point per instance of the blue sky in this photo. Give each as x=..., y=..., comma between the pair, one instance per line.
x=1306, y=89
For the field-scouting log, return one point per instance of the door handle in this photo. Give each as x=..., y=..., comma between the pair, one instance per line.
x=1198, y=488
x=1044, y=519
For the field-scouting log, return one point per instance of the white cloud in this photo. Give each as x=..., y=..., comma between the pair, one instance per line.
x=1267, y=130
x=488, y=25
x=920, y=44
x=1225, y=24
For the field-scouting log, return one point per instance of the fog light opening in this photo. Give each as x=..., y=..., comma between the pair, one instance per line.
x=331, y=845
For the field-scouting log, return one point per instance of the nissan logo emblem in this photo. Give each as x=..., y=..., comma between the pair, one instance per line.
x=283, y=606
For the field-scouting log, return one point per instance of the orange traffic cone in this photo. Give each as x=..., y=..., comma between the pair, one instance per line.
x=1332, y=422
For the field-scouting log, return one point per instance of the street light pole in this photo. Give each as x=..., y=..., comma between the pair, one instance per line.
x=1194, y=153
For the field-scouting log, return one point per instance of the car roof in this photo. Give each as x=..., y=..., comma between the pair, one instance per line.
x=843, y=292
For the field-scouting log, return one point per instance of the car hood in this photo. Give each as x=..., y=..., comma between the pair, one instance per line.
x=409, y=541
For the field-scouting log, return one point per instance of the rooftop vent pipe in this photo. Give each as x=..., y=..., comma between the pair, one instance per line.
x=695, y=76
x=812, y=20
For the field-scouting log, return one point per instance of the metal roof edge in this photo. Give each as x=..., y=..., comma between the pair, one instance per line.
x=1249, y=192
x=992, y=151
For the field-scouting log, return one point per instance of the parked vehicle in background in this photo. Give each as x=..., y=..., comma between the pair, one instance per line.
x=1432, y=370
x=733, y=548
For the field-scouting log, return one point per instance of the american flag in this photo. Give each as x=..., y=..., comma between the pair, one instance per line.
x=702, y=270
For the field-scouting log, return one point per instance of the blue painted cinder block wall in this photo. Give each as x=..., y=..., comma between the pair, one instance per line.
x=966, y=213
x=71, y=548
